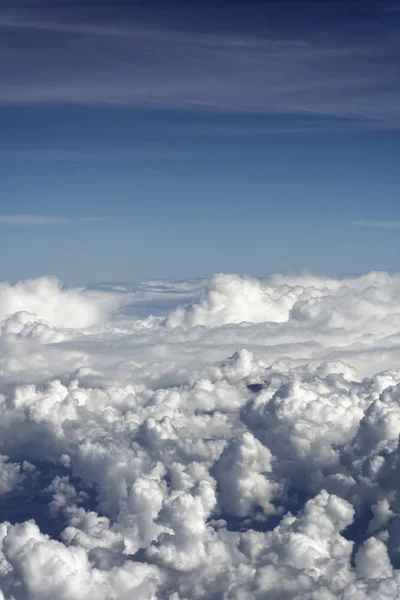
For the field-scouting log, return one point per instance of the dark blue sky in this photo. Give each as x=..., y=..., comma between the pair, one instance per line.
x=176, y=139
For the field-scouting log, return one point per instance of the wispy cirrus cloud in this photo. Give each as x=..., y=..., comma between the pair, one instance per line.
x=386, y=224
x=163, y=67
x=34, y=220
x=81, y=156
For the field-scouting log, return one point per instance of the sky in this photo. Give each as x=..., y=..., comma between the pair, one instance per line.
x=168, y=140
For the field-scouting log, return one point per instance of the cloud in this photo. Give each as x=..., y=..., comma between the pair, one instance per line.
x=376, y=223
x=39, y=155
x=337, y=78
x=242, y=444
x=45, y=299
x=32, y=220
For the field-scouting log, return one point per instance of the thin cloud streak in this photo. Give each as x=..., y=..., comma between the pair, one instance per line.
x=379, y=224
x=80, y=156
x=34, y=220
x=167, y=35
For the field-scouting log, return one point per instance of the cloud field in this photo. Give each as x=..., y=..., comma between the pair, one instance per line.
x=235, y=439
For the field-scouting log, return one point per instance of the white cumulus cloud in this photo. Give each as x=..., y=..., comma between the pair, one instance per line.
x=240, y=442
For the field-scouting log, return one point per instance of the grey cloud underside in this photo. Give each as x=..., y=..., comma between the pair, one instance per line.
x=335, y=76
x=241, y=442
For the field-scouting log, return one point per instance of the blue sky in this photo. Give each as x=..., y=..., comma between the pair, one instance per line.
x=172, y=140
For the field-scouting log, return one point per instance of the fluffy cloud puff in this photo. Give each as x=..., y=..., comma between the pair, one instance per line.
x=241, y=446
x=44, y=299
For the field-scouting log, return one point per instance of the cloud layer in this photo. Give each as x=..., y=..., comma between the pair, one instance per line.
x=243, y=445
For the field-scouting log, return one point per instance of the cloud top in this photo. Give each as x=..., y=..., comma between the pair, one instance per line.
x=312, y=301
x=46, y=300
x=243, y=445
